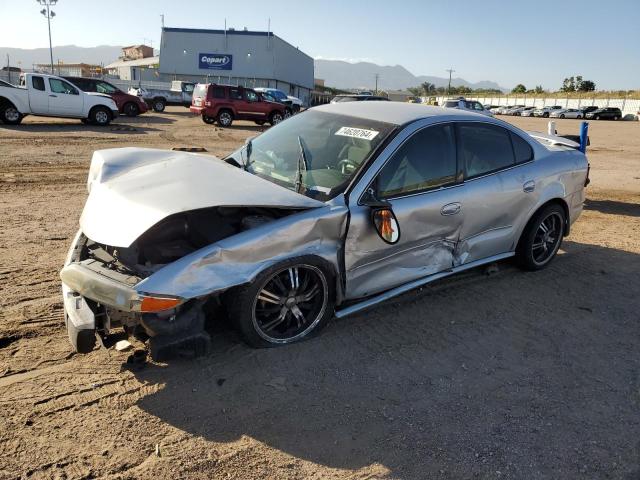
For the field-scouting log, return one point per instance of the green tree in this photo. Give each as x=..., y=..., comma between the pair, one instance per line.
x=568, y=85
x=586, y=86
x=538, y=89
x=520, y=88
x=428, y=88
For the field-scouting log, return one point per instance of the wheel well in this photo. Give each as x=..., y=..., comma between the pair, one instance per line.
x=109, y=112
x=225, y=109
x=159, y=98
x=5, y=101
x=553, y=201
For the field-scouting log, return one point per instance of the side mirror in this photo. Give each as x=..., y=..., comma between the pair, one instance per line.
x=386, y=225
x=384, y=220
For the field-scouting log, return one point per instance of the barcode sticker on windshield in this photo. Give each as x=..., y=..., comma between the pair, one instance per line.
x=357, y=133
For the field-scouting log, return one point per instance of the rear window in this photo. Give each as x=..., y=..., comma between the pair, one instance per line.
x=38, y=83
x=483, y=148
x=200, y=90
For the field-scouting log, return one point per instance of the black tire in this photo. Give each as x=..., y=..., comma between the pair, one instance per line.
x=260, y=122
x=100, y=116
x=545, y=115
x=208, y=120
x=296, y=109
x=562, y=115
x=131, y=109
x=287, y=113
x=275, y=118
x=10, y=115
x=579, y=117
x=268, y=319
x=616, y=118
x=158, y=104
x=542, y=238
x=597, y=117
x=224, y=118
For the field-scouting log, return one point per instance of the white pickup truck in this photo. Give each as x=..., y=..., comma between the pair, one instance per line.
x=52, y=96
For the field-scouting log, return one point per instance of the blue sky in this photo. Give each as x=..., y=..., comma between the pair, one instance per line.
x=518, y=41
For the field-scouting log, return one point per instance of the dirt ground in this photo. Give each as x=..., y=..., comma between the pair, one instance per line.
x=513, y=375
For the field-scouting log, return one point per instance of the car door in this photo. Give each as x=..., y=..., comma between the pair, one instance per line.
x=255, y=107
x=38, y=96
x=417, y=175
x=64, y=99
x=500, y=188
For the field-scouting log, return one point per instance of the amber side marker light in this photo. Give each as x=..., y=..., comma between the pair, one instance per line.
x=157, y=304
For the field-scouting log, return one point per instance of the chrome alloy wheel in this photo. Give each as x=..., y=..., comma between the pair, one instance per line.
x=290, y=303
x=547, y=238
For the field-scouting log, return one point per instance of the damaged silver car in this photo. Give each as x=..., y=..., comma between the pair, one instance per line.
x=323, y=215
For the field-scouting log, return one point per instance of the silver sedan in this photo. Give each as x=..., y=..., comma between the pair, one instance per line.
x=567, y=113
x=326, y=214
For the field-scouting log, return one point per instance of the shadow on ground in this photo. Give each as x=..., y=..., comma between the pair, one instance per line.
x=529, y=375
x=613, y=207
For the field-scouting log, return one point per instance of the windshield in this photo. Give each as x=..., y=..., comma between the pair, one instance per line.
x=314, y=153
x=104, y=87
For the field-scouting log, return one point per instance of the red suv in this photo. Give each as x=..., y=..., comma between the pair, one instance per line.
x=226, y=103
x=129, y=105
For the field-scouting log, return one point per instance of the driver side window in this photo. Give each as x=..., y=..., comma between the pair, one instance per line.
x=425, y=161
x=251, y=96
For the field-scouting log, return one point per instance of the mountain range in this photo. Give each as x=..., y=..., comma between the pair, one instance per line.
x=336, y=73
x=361, y=75
x=102, y=54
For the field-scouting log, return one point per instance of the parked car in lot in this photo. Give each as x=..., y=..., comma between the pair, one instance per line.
x=6, y=84
x=158, y=98
x=502, y=110
x=567, y=113
x=545, y=111
x=527, y=112
x=470, y=105
x=52, y=96
x=328, y=213
x=295, y=103
x=130, y=105
x=516, y=109
x=607, y=113
x=357, y=97
x=588, y=109
x=225, y=103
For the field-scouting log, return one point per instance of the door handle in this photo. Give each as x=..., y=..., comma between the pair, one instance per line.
x=450, y=209
x=55, y=96
x=529, y=186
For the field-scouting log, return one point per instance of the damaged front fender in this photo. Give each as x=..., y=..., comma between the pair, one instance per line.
x=238, y=259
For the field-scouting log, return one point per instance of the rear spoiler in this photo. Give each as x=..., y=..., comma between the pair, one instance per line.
x=578, y=142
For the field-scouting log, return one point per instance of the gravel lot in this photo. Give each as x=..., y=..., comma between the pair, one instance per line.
x=510, y=375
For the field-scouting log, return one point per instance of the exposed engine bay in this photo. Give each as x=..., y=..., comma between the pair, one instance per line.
x=179, y=235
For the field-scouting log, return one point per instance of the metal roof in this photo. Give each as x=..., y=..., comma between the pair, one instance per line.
x=398, y=113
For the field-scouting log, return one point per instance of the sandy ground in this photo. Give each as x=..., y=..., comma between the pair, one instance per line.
x=513, y=375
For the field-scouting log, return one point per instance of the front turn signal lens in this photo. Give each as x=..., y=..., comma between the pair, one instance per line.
x=157, y=304
x=386, y=225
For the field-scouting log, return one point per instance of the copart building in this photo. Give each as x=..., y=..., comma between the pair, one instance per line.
x=236, y=57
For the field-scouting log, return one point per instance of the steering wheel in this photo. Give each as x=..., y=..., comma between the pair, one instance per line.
x=345, y=164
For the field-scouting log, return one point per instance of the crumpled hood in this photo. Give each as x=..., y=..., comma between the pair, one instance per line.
x=132, y=189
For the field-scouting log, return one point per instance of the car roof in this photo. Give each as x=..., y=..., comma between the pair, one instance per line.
x=397, y=113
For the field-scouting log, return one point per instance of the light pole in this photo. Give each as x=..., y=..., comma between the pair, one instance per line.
x=48, y=14
x=451, y=70
x=377, y=77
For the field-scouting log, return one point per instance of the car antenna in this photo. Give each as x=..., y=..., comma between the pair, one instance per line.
x=302, y=163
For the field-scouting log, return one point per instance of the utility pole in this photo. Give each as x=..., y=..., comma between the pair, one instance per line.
x=450, y=70
x=377, y=77
x=48, y=14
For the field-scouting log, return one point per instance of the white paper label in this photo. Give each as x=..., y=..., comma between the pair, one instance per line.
x=357, y=133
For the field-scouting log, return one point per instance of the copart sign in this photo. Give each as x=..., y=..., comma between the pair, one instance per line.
x=215, y=61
